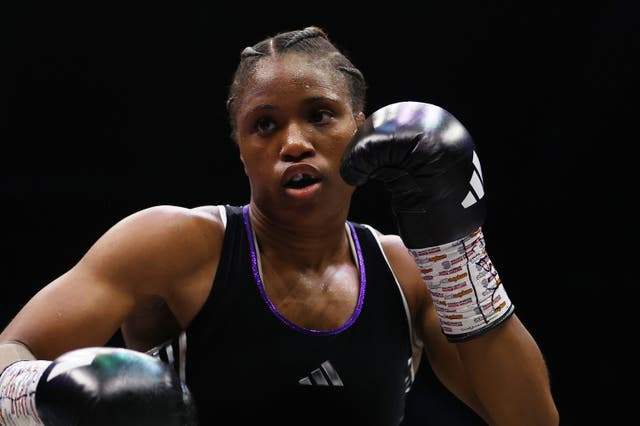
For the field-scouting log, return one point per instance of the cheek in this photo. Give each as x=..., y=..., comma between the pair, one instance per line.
x=254, y=167
x=250, y=152
x=341, y=139
x=248, y=158
x=258, y=167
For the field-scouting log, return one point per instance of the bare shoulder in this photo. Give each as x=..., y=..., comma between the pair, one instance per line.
x=163, y=240
x=169, y=216
x=405, y=270
x=209, y=212
x=393, y=247
x=171, y=222
x=391, y=242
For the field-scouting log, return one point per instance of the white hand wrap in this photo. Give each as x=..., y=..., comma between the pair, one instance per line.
x=465, y=287
x=18, y=384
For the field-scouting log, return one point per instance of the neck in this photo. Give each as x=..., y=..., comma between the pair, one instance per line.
x=297, y=242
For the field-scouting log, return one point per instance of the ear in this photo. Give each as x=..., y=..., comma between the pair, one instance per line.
x=244, y=166
x=359, y=118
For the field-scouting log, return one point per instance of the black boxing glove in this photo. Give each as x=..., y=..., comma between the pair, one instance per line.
x=95, y=387
x=427, y=160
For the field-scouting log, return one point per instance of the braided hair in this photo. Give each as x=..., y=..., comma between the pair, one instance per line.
x=312, y=42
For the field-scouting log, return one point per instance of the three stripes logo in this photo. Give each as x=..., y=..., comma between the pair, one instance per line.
x=476, y=192
x=326, y=375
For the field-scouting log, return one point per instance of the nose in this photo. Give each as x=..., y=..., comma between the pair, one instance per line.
x=296, y=145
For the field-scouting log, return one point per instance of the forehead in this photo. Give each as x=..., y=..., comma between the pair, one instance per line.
x=285, y=78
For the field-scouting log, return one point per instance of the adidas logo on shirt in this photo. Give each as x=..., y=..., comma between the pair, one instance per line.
x=326, y=375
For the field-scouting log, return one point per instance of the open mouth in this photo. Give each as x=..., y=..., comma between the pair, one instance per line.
x=301, y=180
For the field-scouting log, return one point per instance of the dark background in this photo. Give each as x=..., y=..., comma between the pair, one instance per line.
x=108, y=108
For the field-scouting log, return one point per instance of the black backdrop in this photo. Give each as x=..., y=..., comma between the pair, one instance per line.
x=108, y=108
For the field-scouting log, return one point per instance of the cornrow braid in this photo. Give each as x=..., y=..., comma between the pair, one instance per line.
x=355, y=72
x=312, y=42
x=308, y=32
x=250, y=51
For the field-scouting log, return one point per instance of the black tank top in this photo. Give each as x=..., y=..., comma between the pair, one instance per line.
x=246, y=364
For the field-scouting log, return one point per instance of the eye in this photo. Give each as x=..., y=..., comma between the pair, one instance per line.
x=320, y=116
x=265, y=125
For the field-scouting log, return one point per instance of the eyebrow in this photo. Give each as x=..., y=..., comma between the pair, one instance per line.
x=310, y=100
x=262, y=107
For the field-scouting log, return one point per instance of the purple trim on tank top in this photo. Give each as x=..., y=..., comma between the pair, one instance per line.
x=258, y=280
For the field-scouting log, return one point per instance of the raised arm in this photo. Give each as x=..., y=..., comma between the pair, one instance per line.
x=478, y=347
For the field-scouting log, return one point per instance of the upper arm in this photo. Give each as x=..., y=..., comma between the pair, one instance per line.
x=141, y=257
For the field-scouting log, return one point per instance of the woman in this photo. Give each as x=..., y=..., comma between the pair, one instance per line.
x=281, y=310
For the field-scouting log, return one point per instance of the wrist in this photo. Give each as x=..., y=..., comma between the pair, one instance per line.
x=466, y=289
x=11, y=352
x=18, y=383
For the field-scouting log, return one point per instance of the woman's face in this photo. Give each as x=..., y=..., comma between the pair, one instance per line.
x=294, y=121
